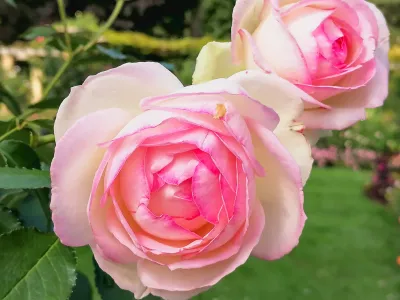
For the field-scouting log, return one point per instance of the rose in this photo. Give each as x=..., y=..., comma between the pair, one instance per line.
x=171, y=186
x=334, y=50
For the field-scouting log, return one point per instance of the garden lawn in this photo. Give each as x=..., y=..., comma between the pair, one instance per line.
x=348, y=250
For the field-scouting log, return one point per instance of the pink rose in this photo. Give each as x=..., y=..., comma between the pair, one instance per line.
x=334, y=50
x=174, y=187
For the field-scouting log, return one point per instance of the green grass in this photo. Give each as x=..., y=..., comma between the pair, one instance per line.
x=348, y=250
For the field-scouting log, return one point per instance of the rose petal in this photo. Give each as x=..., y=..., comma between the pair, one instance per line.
x=171, y=295
x=122, y=87
x=180, y=169
x=163, y=227
x=124, y=275
x=160, y=277
x=204, y=98
x=246, y=15
x=71, y=182
x=214, y=61
x=281, y=195
x=205, y=186
x=283, y=56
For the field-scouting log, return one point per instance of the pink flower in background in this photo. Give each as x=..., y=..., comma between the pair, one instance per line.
x=173, y=188
x=334, y=50
x=323, y=156
x=349, y=159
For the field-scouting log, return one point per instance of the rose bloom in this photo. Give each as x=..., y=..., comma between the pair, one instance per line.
x=174, y=187
x=334, y=50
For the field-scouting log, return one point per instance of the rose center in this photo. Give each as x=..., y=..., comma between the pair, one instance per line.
x=339, y=51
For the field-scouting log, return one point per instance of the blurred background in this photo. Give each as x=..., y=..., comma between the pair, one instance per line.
x=350, y=248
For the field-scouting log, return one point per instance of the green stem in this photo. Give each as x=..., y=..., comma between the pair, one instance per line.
x=67, y=63
x=8, y=133
x=106, y=26
x=63, y=16
x=59, y=73
x=45, y=139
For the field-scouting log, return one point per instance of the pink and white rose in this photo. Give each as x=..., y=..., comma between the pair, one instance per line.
x=174, y=187
x=334, y=50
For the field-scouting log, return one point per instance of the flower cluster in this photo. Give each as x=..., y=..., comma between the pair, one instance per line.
x=175, y=187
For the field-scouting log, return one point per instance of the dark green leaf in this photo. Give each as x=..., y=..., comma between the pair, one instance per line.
x=31, y=214
x=19, y=154
x=14, y=178
x=12, y=198
x=46, y=154
x=8, y=222
x=107, y=287
x=35, y=32
x=9, y=100
x=36, y=266
x=50, y=103
x=113, y=53
x=12, y=3
x=82, y=289
x=43, y=197
x=86, y=267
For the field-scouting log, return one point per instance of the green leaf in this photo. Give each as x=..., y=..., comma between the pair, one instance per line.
x=34, y=32
x=8, y=222
x=35, y=266
x=9, y=100
x=12, y=3
x=14, y=178
x=12, y=198
x=19, y=154
x=113, y=53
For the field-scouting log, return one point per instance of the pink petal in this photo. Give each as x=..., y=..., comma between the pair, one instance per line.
x=227, y=242
x=335, y=119
x=222, y=159
x=160, y=277
x=122, y=87
x=108, y=233
x=302, y=26
x=134, y=186
x=159, y=157
x=281, y=195
x=166, y=201
x=352, y=81
x=206, y=193
x=180, y=169
x=283, y=55
x=162, y=227
x=71, y=183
